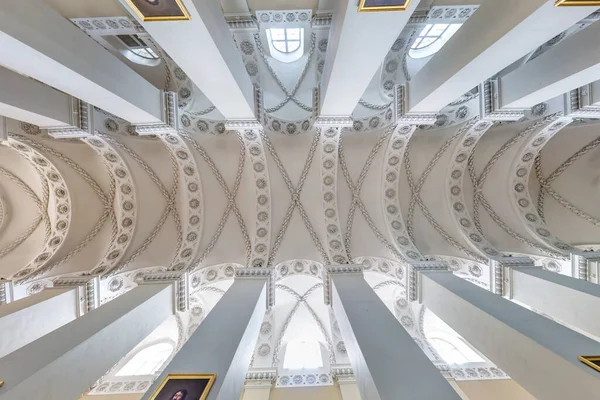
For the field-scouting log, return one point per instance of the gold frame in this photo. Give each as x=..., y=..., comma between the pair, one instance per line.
x=211, y=379
x=184, y=17
x=587, y=361
x=572, y=3
x=362, y=8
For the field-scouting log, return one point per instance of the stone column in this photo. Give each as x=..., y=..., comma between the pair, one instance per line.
x=30, y=318
x=67, y=361
x=573, y=301
x=541, y=355
x=224, y=341
x=258, y=385
x=386, y=360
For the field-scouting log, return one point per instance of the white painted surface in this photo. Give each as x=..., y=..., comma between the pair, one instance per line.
x=24, y=99
x=498, y=34
x=539, y=354
x=259, y=393
x=572, y=63
x=28, y=319
x=358, y=42
x=104, y=335
x=224, y=341
x=567, y=299
x=203, y=47
x=385, y=360
x=53, y=50
x=350, y=391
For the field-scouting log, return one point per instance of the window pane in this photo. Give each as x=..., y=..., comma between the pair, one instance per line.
x=437, y=29
x=303, y=355
x=128, y=40
x=277, y=34
x=426, y=42
x=147, y=361
x=416, y=44
x=280, y=46
x=293, y=33
x=425, y=30
x=293, y=46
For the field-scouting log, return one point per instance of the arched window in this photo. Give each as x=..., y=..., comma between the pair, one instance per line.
x=138, y=51
x=147, y=361
x=286, y=44
x=431, y=39
x=303, y=355
x=450, y=352
x=447, y=343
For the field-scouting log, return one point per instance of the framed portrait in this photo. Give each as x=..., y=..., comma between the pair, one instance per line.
x=562, y=3
x=383, y=5
x=591, y=361
x=159, y=10
x=184, y=387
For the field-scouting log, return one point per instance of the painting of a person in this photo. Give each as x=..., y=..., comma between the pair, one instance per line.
x=179, y=395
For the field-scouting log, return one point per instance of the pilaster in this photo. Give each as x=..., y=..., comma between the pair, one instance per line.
x=169, y=110
x=81, y=119
x=413, y=291
x=180, y=282
x=259, y=273
x=502, y=273
x=88, y=289
x=352, y=270
x=401, y=113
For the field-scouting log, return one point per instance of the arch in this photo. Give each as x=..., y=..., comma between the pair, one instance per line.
x=124, y=203
x=392, y=165
x=518, y=182
x=58, y=196
x=456, y=185
x=286, y=44
x=147, y=361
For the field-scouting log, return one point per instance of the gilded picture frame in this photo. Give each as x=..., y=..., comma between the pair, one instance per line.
x=568, y=3
x=363, y=6
x=174, y=10
x=166, y=386
x=591, y=361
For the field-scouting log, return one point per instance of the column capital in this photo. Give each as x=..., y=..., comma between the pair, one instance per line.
x=260, y=378
x=81, y=119
x=169, y=109
x=6, y=291
x=88, y=287
x=413, y=292
x=401, y=105
x=513, y=262
x=345, y=270
x=343, y=374
x=180, y=282
x=333, y=122
x=242, y=124
x=267, y=274
x=490, y=103
x=582, y=102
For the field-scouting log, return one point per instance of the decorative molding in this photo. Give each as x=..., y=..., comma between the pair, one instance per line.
x=519, y=183
x=298, y=267
x=124, y=203
x=6, y=291
x=81, y=122
x=456, y=200
x=333, y=122
x=277, y=18
x=413, y=293
x=169, y=102
x=242, y=124
x=401, y=114
x=345, y=270
x=392, y=166
x=490, y=101
x=192, y=210
x=60, y=217
x=450, y=14
x=88, y=287
x=260, y=378
x=329, y=145
x=304, y=380
x=579, y=103
x=3, y=129
x=256, y=154
x=322, y=20
x=253, y=273
x=108, y=26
